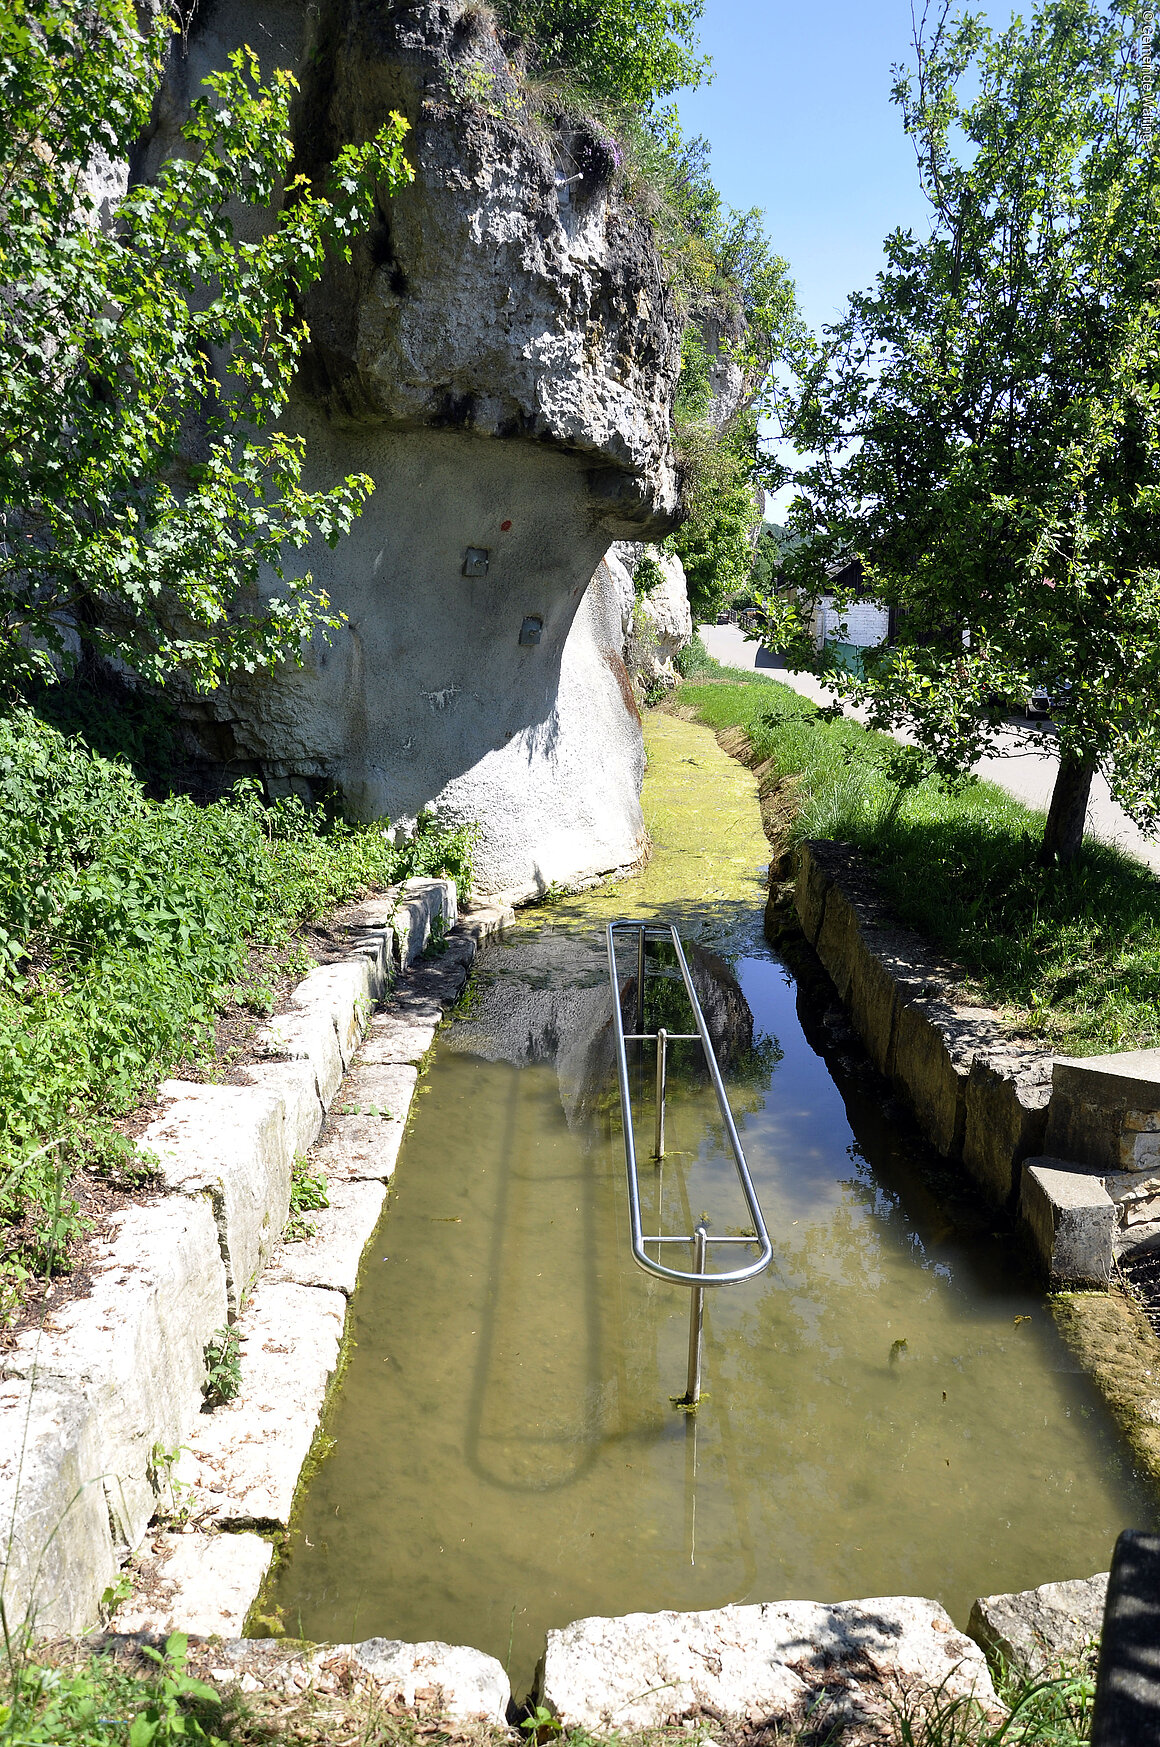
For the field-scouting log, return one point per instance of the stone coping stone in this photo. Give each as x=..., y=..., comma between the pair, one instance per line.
x=935, y=1045
x=54, y=1518
x=341, y=994
x=1071, y=1219
x=1105, y=1110
x=452, y=1680
x=1007, y=1094
x=210, y=1579
x=228, y=1143
x=331, y=1256
x=296, y=1084
x=358, y=1141
x=396, y=1037
x=422, y=904
x=243, y=1459
x=135, y=1347
x=307, y=1035
x=1039, y=1631
x=1124, y=1080
x=774, y=1663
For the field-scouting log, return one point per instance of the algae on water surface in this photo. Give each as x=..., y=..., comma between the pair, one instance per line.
x=710, y=856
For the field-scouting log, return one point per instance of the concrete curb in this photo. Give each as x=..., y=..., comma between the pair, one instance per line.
x=101, y=1410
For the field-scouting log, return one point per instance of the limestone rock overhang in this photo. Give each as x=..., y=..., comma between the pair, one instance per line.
x=511, y=290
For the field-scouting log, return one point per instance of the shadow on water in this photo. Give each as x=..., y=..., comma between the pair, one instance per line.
x=535, y=1442
x=546, y=1002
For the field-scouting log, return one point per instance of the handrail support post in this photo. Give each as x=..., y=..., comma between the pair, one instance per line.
x=640, y=978
x=662, y=1066
x=696, y=1322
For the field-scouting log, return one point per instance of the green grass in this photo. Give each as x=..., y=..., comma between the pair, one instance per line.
x=126, y=926
x=1071, y=954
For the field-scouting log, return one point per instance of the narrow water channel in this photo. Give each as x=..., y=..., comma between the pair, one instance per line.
x=888, y=1408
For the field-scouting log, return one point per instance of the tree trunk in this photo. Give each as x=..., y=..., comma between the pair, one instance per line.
x=1068, y=811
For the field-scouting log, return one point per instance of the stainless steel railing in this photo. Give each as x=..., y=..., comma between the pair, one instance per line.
x=699, y=1276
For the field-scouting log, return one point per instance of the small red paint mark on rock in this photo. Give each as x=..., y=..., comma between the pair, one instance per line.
x=505, y=527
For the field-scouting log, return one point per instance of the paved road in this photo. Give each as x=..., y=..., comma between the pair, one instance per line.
x=1022, y=762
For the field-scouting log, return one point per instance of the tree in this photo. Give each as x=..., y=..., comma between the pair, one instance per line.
x=146, y=353
x=986, y=420
x=715, y=541
x=627, y=51
x=767, y=556
x=738, y=293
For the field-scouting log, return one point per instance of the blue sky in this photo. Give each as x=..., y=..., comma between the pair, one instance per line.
x=800, y=121
x=801, y=124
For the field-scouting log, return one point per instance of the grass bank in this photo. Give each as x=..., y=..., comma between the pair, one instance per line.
x=1070, y=955
x=127, y=924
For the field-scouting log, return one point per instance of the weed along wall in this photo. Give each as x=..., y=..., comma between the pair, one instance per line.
x=888, y=1410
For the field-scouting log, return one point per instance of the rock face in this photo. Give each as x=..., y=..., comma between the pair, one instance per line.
x=500, y=356
x=846, y=1667
x=659, y=621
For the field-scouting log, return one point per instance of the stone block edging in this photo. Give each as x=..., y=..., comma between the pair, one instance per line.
x=1071, y=1148
x=844, y=1666
x=978, y=1096
x=783, y=1662
x=101, y=1409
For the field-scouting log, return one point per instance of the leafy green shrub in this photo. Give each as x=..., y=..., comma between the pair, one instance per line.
x=694, y=660
x=629, y=51
x=715, y=542
x=646, y=577
x=101, y=1701
x=125, y=924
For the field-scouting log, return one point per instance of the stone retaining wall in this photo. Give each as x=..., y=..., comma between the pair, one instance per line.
x=979, y=1097
x=1070, y=1147
x=101, y=1409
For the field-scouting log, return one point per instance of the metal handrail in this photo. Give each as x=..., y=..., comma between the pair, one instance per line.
x=698, y=1242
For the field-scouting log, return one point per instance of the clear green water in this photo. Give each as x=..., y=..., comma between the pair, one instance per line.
x=506, y=1453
